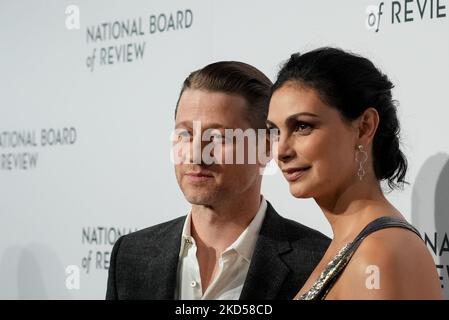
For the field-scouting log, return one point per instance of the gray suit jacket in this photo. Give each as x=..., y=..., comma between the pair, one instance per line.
x=144, y=263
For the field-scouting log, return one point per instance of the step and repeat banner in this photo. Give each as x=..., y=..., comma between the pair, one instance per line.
x=87, y=97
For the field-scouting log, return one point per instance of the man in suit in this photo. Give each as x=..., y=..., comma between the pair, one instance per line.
x=232, y=244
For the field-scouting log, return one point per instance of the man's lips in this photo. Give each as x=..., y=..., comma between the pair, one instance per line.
x=293, y=174
x=198, y=176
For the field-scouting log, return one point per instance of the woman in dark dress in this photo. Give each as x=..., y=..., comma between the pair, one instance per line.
x=337, y=139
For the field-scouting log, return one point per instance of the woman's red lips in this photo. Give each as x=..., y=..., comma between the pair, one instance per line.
x=293, y=174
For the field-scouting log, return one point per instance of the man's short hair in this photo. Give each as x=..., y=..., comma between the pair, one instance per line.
x=237, y=78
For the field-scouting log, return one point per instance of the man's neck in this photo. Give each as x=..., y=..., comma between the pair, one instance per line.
x=219, y=226
x=216, y=228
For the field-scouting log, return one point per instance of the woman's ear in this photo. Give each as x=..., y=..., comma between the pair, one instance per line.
x=368, y=123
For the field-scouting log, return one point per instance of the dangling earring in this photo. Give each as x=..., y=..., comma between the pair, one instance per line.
x=361, y=156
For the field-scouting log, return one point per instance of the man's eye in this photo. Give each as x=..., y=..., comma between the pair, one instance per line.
x=217, y=138
x=183, y=135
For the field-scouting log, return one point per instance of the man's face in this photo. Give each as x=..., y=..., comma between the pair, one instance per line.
x=210, y=184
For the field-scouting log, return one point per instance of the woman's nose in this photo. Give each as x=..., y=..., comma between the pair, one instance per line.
x=283, y=150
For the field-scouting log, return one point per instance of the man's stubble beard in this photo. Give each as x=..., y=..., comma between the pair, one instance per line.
x=204, y=196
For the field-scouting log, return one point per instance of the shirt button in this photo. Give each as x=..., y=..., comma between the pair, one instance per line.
x=193, y=283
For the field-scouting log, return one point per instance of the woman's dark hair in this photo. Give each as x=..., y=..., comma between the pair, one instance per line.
x=352, y=84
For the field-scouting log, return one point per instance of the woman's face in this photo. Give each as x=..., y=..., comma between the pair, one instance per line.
x=315, y=147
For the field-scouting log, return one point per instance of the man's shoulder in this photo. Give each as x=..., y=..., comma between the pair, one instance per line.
x=156, y=232
x=304, y=231
x=298, y=232
x=303, y=235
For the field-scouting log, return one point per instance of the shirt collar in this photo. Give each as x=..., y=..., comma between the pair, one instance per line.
x=244, y=245
x=186, y=237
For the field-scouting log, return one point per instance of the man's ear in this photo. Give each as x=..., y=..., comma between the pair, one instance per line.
x=367, y=126
x=264, y=154
x=266, y=157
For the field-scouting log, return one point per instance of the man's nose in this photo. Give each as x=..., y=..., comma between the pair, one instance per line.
x=196, y=149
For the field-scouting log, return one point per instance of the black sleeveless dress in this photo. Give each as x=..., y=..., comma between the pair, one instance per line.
x=336, y=266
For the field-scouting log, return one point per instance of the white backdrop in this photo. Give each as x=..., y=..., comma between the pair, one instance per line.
x=84, y=140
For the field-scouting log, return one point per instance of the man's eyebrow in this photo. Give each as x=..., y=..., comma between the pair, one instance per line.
x=215, y=125
x=183, y=124
x=189, y=124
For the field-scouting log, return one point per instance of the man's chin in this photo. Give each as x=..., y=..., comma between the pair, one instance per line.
x=200, y=199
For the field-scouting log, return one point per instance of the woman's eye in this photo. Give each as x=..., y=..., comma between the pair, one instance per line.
x=303, y=128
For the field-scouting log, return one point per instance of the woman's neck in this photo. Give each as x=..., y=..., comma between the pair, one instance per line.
x=351, y=209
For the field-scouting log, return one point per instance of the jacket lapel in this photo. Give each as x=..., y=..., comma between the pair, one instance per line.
x=267, y=271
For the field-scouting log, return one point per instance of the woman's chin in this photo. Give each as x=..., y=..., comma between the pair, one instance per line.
x=299, y=192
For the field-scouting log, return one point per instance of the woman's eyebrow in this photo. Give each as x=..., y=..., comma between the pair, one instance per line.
x=296, y=115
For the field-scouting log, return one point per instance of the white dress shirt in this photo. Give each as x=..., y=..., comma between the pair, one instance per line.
x=233, y=264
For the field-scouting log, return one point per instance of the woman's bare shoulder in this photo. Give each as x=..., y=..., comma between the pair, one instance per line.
x=390, y=263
